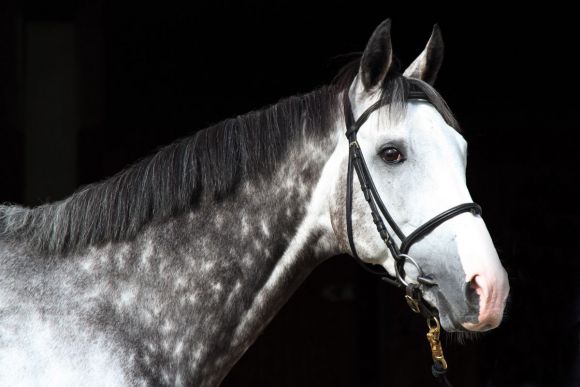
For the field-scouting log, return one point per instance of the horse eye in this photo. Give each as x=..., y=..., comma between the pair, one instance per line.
x=392, y=155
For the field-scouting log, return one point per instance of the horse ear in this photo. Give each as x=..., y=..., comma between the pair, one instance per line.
x=428, y=63
x=377, y=57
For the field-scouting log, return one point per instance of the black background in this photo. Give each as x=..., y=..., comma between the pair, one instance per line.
x=146, y=74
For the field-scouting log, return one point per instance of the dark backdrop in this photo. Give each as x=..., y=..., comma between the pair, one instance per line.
x=87, y=88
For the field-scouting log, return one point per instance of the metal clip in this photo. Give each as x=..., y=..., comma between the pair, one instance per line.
x=433, y=338
x=413, y=303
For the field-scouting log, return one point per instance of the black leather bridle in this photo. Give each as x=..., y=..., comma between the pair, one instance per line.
x=414, y=290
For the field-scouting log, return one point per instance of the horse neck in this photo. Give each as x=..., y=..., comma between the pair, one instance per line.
x=226, y=268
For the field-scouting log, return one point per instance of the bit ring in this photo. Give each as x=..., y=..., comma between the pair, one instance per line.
x=401, y=263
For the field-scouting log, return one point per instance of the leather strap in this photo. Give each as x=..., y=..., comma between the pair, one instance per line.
x=435, y=222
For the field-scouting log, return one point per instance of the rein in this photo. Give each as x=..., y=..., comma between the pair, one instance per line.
x=413, y=289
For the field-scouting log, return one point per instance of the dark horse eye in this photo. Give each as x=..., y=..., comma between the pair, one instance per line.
x=392, y=155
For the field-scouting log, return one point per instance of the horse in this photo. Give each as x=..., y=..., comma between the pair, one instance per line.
x=166, y=273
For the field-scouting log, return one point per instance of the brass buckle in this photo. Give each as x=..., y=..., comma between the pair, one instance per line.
x=433, y=338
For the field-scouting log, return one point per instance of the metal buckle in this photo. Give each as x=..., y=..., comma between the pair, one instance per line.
x=406, y=258
x=413, y=303
x=421, y=278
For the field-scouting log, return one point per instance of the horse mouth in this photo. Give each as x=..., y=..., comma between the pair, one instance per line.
x=453, y=320
x=450, y=324
x=479, y=327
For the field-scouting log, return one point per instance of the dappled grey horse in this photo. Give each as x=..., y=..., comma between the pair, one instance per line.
x=167, y=272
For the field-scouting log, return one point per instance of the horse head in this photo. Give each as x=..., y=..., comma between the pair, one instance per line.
x=415, y=160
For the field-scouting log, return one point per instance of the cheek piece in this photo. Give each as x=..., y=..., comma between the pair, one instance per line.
x=413, y=288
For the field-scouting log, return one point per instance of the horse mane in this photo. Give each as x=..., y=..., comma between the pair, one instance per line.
x=212, y=162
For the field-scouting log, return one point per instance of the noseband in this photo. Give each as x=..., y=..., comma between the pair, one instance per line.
x=414, y=289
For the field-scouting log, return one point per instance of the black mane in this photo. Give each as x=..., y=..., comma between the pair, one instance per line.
x=211, y=163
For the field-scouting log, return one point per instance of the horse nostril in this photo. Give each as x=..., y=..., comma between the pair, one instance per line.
x=471, y=292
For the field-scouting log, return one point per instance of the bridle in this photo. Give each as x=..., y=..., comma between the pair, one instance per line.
x=413, y=290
